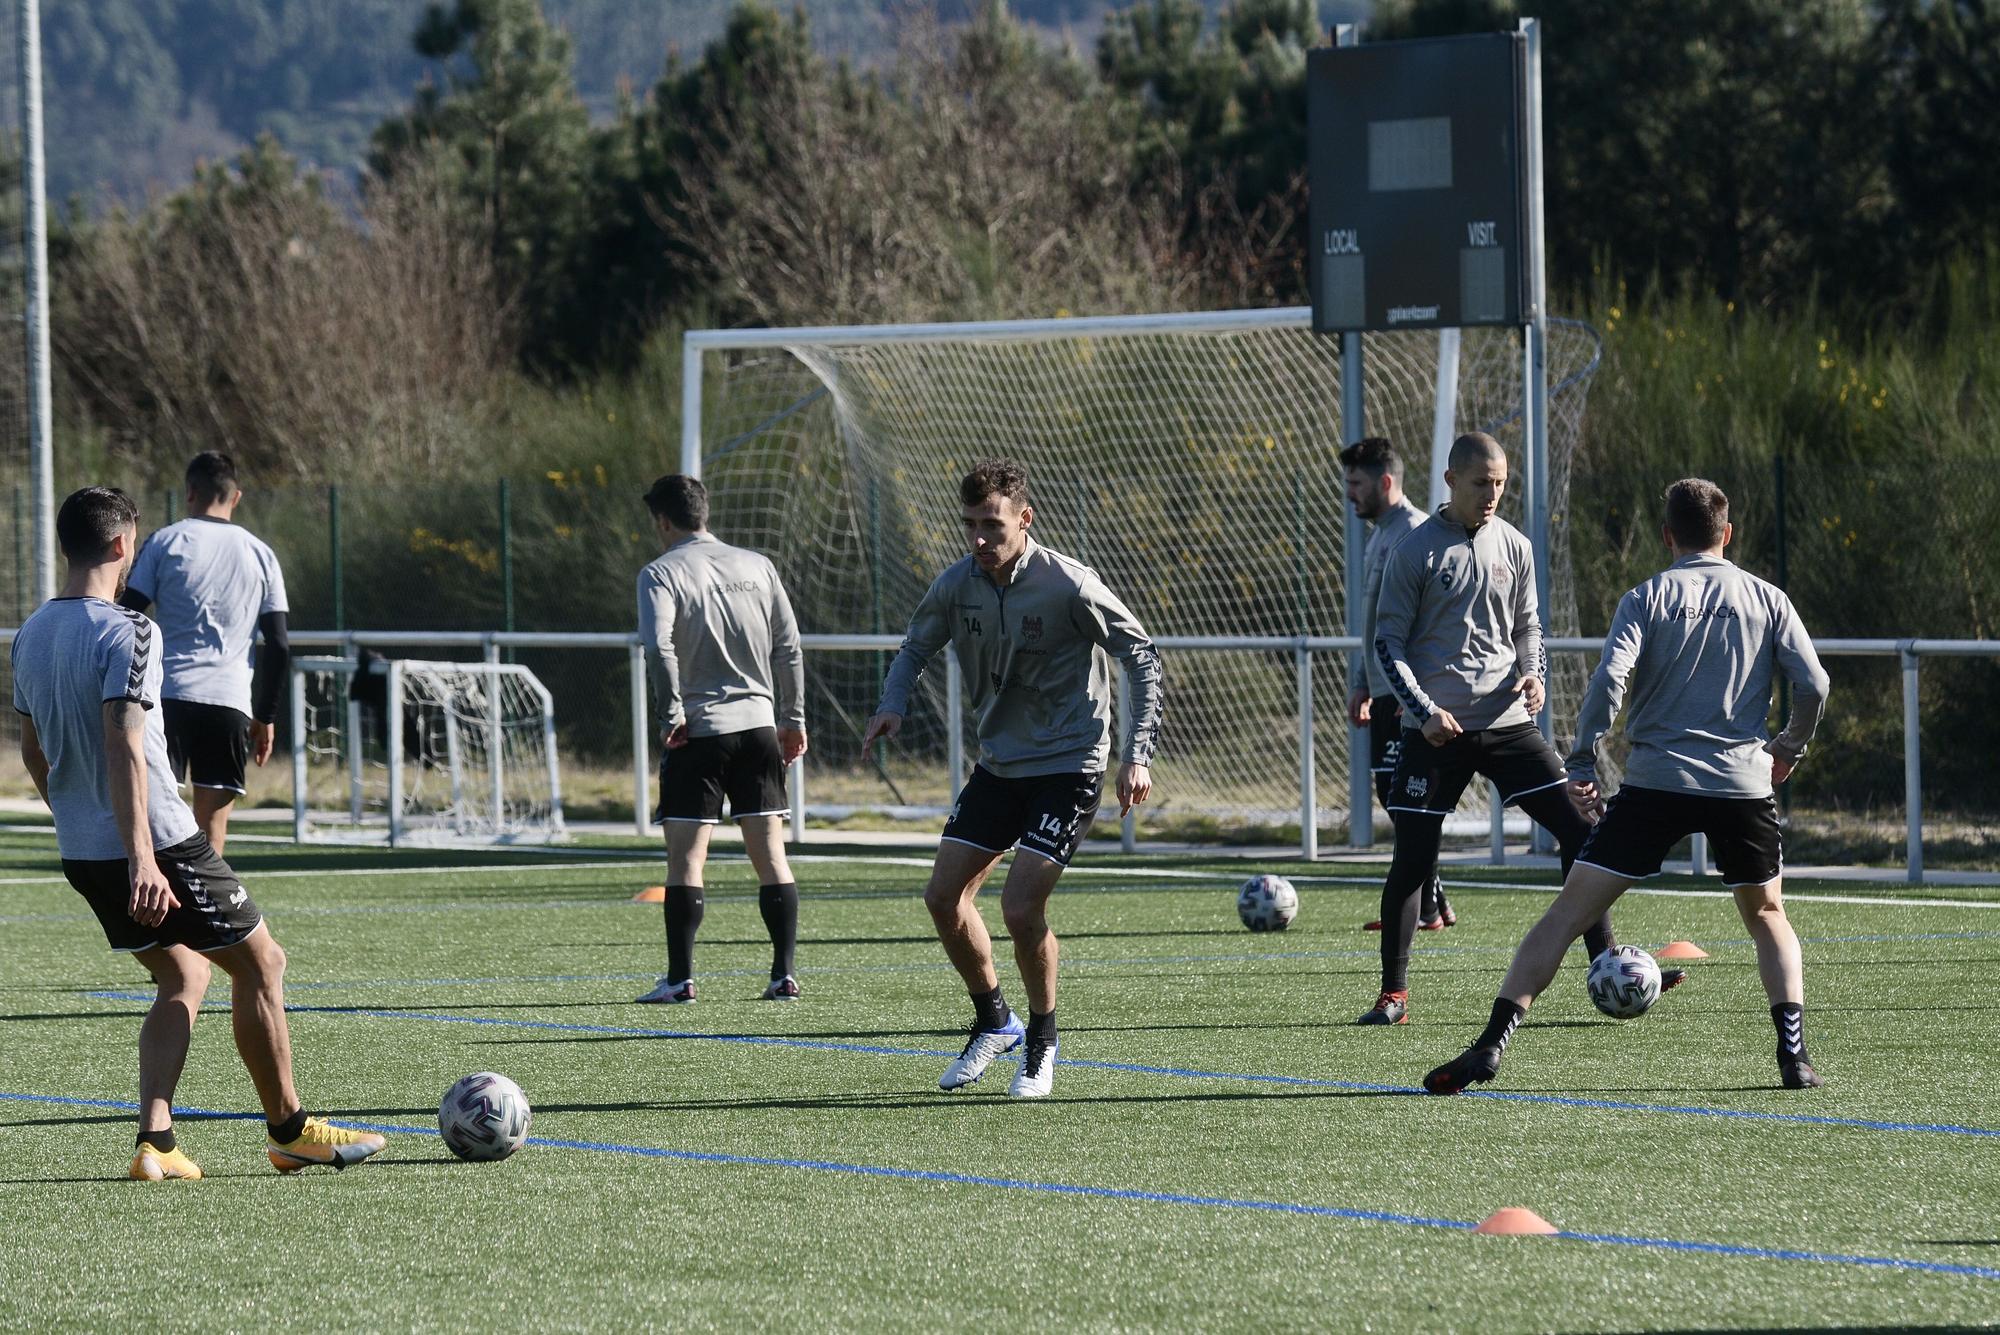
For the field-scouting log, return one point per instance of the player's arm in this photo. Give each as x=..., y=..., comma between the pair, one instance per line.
x=33, y=759
x=788, y=674
x=1108, y=623
x=1403, y=577
x=267, y=693
x=656, y=645
x=140, y=582
x=930, y=631
x=1602, y=700
x=1531, y=658
x=124, y=717
x=1798, y=660
x=1357, y=662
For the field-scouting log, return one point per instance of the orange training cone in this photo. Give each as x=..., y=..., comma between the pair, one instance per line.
x=1514, y=1221
x=652, y=894
x=1680, y=950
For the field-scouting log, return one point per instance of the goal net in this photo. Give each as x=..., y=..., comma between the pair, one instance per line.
x=414, y=751
x=1190, y=459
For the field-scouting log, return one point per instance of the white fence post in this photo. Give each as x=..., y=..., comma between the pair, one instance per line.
x=641, y=746
x=1913, y=769
x=1308, y=775
x=395, y=756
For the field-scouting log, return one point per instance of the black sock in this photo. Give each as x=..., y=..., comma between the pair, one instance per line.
x=1041, y=1028
x=1506, y=1015
x=1790, y=1018
x=989, y=1009
x=1597, y=937
x=163, y=1141
x=684, y=906
x=288, y=1130
x=780, y=906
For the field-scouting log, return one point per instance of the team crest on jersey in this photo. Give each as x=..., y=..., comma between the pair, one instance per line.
x=1031, y=628
x=1502, y=576
x=1446, y=578
x=1417, y=786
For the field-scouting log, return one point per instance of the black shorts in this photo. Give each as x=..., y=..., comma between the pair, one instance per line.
x=1385, y=734
x=212, y=741
x=744, y=766
x=1429, y=780
x=1046, y=814
x=1639, y=825
x=215, y=910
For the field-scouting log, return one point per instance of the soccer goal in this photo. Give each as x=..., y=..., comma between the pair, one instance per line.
x=1191, y=459
x=413, y=751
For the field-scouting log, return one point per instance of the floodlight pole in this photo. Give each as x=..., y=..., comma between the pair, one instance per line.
x=1535, y=367
x=35, y=242
x=1353, y=426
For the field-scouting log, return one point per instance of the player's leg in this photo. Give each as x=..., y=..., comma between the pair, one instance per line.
x=216, y=743
x=182, y=979
x=1628, y=844
x=211, y=812
x=1747, y=841
x=1059, y=815
x=218, y=918
x=1427, y=785
x=690, y=808
x=1385, y=749
x=985, y=821
x=1530, y=775
x=756, y=783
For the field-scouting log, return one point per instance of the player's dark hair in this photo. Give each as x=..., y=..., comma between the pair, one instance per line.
x=1373, y=455
x=1697, y=512
x=90, y=519
x=681, y=499
x=995, y=477
x=211, y=477
x=1472, y=447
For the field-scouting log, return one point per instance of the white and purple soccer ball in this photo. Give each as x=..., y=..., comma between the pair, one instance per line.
x=484, y=1117
x=1267, y=903
x=1624, y=982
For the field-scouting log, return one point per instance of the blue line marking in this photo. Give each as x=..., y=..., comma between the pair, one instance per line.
x=1121, y=1194
x=1131, y=1068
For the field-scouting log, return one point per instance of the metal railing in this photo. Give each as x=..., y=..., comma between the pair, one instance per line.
x=491, y=644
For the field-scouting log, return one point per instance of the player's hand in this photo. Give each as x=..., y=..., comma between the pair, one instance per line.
x=261, y=737
x=1532, y=693
x=791, y=744
x=1441, y=727
x=1358, y=708
x=1781, y=766
x=882, y=725
x=151, y=897
x=1135, y=785
x=1589, y=803
x=676, y=737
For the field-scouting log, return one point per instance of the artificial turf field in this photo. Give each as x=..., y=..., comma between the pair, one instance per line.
x=1222, y=1150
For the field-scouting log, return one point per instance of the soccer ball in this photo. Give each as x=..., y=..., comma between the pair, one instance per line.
x=1267, y=903
x=484, y=1117
x=1624, y=982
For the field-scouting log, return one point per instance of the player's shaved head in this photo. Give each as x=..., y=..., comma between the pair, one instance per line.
x=211, y=477
x=1697, y=514
x=1471, y=448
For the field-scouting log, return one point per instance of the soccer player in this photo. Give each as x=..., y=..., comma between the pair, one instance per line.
x=1375, y=490
x=1694, y=650
x=1026, y=624
x=1460, y=639
x=87, y=683
x=213, y=587
x=722, y=649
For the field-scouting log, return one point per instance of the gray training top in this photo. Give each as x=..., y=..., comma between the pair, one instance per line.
x=1041, y=691
x=70, y=657
x=720, y=641
x=1697, y=646
x=1364, y=670
x=209, y=581
x=1457, y=624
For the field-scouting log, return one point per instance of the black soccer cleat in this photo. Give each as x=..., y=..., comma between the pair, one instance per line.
x=1475, y=1066
x=1671, y=979
x=1389, y=1008
x=1796, y=1072
x=1447, y=916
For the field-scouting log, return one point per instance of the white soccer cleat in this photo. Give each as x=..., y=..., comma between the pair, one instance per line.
x=980, y=1051
x=1037, y=1072
x=669, y=993
x=783, y=989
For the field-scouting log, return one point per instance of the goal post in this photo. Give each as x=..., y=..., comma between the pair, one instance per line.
x=1191, y=459
x=411, y=750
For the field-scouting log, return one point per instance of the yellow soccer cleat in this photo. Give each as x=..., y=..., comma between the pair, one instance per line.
x=321, y=1142
x=155, y=1165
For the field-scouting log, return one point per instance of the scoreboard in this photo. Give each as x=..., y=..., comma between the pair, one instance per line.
x=1419, y=178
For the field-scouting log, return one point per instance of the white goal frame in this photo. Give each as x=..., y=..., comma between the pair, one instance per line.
x=399, y=829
